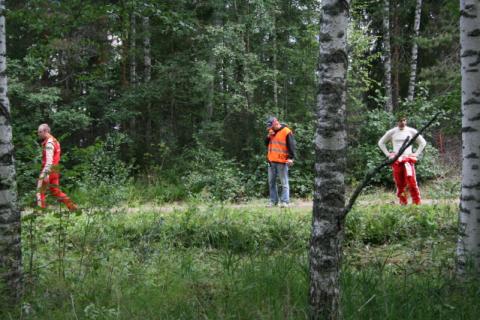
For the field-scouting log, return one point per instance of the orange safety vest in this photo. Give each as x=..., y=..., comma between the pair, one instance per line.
x=277, y=147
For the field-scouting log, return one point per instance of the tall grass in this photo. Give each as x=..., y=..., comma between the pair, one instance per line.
x=219, y=263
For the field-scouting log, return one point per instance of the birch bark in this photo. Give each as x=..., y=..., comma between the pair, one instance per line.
x=413, y=63
x=147, y=64
x=468, y=247
x=387, y=56
x=330, y=146
x=10, y=245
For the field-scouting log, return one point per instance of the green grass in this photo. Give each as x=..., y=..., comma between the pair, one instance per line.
x=216, y=262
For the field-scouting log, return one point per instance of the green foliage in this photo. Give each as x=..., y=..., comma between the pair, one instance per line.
x=217, y=70
x=100, y=175
x=213, y=177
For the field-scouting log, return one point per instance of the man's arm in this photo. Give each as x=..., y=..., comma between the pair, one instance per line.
x=421, y=142
x=292, y=146
x=49, y=160
x=271, y=133
x=381, y=143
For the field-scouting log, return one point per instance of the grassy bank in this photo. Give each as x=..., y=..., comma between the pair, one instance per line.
x=223, y=263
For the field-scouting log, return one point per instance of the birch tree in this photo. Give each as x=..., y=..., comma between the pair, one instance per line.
x=147, y=63
x=395, y=47
x=10, y=248
x=468, y=246
x=133, y=55
x=387, y=56
x=413, y=62
x=330, y=145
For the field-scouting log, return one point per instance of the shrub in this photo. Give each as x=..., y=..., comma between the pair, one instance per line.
x=213, y=177
x=100, y=175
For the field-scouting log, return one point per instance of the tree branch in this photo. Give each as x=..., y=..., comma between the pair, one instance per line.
x=369, y=175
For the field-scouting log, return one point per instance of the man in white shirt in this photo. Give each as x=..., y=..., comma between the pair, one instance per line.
x=404, y=167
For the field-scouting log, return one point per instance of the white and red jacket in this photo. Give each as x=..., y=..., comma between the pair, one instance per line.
x=50, y=155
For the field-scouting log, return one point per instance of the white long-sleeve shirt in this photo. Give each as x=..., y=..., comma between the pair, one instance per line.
x=397, y=136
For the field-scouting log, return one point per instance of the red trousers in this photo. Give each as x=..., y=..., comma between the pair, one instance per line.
x=52, y=185
x=404, y=175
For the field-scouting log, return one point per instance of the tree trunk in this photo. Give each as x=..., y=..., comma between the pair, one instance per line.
x=133, y=56
x=387, y=56
x=275, y=83
x=413, y=63
x=330, y=146
x=212, y=63
x=396, y=58
x=10, y=246
x=468, y=247
x=147, y=62
x=133, y=65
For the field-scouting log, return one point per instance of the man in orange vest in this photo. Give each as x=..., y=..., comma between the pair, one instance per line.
x=50, y=176
x=281, y=152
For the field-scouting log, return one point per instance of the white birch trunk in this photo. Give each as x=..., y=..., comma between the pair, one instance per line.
x=147, y=63
x=413, y=63
x=468, y=247
x=133, y=64
x=10, y=247
x=330, y=146
x=275, y=83
x=212, y=63
x=387, y=56
x=133, y=56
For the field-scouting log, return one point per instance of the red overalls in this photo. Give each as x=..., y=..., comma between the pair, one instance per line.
x=404, y=174
x=53, y=178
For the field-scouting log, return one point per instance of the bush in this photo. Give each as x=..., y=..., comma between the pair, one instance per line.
x=213, y=177
x=101, y=176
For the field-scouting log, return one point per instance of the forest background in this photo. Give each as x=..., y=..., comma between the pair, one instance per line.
x=160, y=107
x=167, y=100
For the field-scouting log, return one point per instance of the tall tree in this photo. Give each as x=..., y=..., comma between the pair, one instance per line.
x=274, y=58
x=387, y=56
x=133, y=48
x=413, y=61
x=147, y=63
x=395, y=46
x=10, y=247
x=330, y=145
x=468, y=246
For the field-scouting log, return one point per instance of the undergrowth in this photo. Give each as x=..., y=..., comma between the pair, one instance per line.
x=223, y=263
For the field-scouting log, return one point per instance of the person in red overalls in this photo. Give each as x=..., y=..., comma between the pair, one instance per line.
x=404, y=168
x=50, y=176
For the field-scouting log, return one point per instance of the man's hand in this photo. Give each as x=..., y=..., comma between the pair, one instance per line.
x=289, y=162
x=271, y=133
x=39, y=184
x=43, y=179
x=391, y=155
